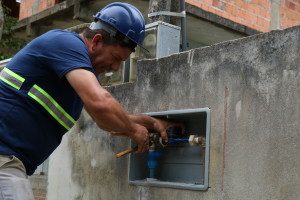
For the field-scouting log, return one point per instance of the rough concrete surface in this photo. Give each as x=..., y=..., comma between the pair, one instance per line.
x=252, y=86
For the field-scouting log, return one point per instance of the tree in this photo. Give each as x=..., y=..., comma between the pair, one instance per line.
x=1, y=19
x=8, y=43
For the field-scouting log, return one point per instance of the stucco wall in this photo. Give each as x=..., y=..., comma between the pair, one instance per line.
x=252, y=86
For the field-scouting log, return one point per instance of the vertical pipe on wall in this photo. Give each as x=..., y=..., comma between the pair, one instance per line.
x=183, y=25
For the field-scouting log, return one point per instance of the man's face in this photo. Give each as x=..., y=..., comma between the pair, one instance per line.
x=106, y=58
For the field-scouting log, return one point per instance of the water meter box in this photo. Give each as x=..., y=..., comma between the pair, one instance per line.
x=180, y=165
x=161, y=39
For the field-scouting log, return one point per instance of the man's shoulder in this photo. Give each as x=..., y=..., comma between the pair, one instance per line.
x=60, y=33
x=58, y=39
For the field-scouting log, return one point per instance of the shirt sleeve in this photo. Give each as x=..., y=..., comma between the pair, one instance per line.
x=66, y=51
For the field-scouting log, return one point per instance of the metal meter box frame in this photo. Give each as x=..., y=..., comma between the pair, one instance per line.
x=180, y=166
x=161, y=39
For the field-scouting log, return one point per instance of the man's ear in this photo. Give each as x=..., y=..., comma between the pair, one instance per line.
x=96, y=39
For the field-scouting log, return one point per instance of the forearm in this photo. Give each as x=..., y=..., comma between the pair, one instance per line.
x=105, y=109
x=110, y=116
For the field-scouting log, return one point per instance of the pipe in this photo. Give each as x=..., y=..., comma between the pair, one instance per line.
x=178, y=140
x=182, y=14
x=155, y=140
x=152, y=163
x=183, y=25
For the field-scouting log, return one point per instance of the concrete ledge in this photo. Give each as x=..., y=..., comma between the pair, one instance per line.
x=67, y=13
x=3, y=63
x=41, y=15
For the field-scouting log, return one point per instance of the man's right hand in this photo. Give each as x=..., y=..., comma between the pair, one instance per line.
x=141, y=137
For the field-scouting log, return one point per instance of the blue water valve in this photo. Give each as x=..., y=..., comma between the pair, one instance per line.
x=152, y=163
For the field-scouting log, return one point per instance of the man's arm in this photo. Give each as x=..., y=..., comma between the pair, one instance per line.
x=105, y=109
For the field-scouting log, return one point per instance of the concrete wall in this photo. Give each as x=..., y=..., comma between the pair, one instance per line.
x=252, y=86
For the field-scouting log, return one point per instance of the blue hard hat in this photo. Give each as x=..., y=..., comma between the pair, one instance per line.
x=125, y=18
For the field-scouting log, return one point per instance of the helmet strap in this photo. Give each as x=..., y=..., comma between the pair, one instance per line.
x=113, y=33
x=100, y=25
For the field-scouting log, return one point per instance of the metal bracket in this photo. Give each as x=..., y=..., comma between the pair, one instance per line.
x=167, y=13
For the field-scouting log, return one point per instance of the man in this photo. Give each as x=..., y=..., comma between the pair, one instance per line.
x=44, y=87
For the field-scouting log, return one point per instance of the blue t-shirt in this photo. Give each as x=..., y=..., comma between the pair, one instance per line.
x=27, y=130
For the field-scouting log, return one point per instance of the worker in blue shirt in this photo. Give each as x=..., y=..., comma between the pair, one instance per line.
x=45, y=86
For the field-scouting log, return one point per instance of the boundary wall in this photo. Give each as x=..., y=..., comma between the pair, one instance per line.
x=251, y=85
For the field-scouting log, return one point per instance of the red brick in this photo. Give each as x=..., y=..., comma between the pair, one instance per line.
x=242, y=14
x=255, y=1
x=216, y=3
x=293, y=15
x=262, y=22
x=285, y=23
x=251, y=17
x=26, y=7
x=264, y=13
x=297, y=9
x=250, y=24
x=231, y=17
x=264, y=3
x=256, y=8
x=195, y=3
x=292, y=6
x=207, y=2
x=251, y=8
x=231, y=9
x=199, y=2
x=204, y=7
x=240, y=20
x=240, y=3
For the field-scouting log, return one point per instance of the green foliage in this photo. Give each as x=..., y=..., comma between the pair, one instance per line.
x=4, y=56
x=9, y=44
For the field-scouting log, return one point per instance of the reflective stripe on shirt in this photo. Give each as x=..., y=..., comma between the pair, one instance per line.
x=11, y=78
x=41, y=96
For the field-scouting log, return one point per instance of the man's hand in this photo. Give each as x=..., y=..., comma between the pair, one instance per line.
x=140, y=136
x=161, y=126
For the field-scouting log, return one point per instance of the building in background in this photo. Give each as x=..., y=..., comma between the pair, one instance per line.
x=207, y=22
x=14, y=6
